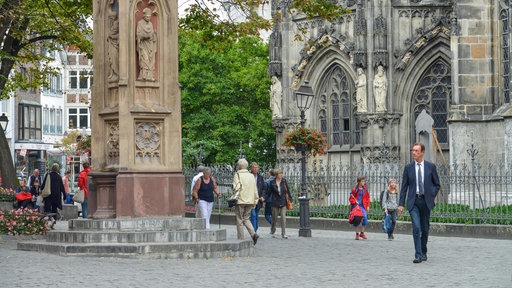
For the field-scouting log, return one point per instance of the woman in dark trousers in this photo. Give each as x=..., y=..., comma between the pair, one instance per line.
x=58, y=194
x=278, y=190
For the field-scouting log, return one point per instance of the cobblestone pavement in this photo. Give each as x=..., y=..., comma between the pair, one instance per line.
x=328, y=259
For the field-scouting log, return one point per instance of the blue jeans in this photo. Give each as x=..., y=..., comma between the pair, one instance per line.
x=268, y=212
x=420, y=217
x=254, y=218
x=85, y=208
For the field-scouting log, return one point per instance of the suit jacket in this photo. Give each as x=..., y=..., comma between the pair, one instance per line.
x=431, y=185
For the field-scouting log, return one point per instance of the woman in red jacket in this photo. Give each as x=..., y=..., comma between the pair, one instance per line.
x=361, y=197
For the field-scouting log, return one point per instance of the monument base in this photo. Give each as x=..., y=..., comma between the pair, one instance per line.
x=150, y=194
x=102, y=196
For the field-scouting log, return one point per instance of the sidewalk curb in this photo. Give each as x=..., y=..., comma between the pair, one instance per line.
x=403, y=227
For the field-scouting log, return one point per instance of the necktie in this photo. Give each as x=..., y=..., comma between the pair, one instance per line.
x=420, y=180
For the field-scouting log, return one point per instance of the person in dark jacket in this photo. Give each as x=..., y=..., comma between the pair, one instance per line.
x=278, y=190
x=268, y=201
x=58, y=194
x=260, y=186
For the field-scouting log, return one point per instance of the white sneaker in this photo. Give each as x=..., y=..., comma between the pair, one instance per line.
x=285, y=236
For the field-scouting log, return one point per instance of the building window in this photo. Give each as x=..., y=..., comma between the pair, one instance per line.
x=46, y=120
x=341, y=124
x=52, y=121
x=29, y=122
x=80, y=79
x=433, y=95
x=78, y=118
x=73, y=79
x=54, y=84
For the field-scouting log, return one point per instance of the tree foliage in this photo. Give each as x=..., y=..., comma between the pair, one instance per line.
x=241, y=17
x=28, y=28
x=225, y=99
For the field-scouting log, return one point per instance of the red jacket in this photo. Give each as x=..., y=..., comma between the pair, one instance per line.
x=82, y=181
x=366, y=197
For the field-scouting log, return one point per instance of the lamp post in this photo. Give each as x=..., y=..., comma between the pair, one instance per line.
x=304, y=99
x=3, y=122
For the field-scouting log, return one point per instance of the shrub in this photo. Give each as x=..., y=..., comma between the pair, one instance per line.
x=7, y=194
x=22, y=222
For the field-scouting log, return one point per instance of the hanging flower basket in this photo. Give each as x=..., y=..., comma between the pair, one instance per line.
x=306, y=139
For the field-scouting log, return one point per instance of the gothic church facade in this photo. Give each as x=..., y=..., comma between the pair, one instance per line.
x=374, y=70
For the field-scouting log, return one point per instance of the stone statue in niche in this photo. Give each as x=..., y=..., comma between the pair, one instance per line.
x=276, y=92
x=361, y=91
x=113, y=43
x=380, y=89
x=146, y=46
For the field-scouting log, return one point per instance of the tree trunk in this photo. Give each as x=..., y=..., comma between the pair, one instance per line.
x=9, y=179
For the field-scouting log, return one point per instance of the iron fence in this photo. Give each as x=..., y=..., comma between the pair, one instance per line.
x=471, y=193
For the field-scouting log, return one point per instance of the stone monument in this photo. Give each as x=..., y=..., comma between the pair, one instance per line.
x=136, y=118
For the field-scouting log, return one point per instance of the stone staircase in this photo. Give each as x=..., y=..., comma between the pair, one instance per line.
x=173, y=238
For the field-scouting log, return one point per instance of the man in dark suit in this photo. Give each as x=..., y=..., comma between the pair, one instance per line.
x=420, y=184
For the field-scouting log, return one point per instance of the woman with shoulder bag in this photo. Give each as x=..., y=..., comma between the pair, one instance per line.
x=203, y=192
x=58, y=194
x=279, y=191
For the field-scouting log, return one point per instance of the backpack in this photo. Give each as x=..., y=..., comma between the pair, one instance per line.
x=381, y=198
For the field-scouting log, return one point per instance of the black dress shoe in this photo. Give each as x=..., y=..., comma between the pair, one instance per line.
x=417, y=260
x=424, y=258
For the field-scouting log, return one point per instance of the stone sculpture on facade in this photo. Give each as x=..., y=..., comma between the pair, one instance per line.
x=361, y=91
x=380, y=89
x=276, y=92
x=146, y=46
x=113, y=43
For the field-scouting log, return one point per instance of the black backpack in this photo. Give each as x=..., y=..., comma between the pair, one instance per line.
x=381, y=198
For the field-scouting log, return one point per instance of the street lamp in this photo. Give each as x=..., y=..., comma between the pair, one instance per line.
x=304, y=99
x=4, y=121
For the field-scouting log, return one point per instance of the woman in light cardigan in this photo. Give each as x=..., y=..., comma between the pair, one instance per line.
x=247, y=200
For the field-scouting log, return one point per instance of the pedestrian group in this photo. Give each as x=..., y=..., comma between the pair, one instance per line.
x=419, y=188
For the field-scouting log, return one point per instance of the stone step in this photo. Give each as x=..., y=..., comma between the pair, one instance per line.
x=177, y=250
x=138, y=224
x=135, y=236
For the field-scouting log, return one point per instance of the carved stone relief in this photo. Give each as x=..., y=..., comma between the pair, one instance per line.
x=148, y=137
x=361, y=91
x=112, y=142
x=380, y=154
x=113, y=41
x=146, y=36
x=276, y=96
x=380, y=120
x=380, y=90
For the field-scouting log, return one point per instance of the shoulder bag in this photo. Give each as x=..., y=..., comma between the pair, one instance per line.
x=356, y=214
x=47, y=186
x=289, y=203
x=79, y=196
x=236, y=192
